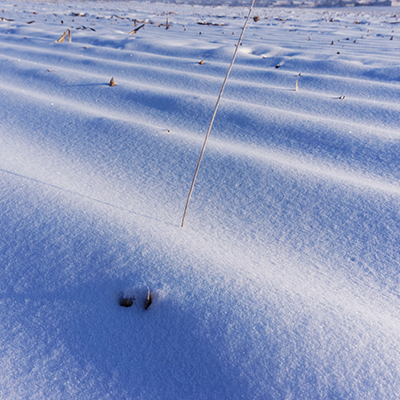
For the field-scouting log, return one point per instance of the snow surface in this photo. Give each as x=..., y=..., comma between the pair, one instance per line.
x=284, y=281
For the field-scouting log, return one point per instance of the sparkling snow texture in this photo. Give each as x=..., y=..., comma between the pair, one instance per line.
x=284, y=282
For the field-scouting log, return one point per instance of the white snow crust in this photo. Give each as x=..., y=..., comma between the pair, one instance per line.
x=284, y=281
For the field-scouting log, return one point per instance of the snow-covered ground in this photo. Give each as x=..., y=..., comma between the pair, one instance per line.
x=284, y=281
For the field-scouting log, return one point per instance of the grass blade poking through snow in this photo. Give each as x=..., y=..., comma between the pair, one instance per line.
x=147, y=304
x=215, y=112
x=64, y=35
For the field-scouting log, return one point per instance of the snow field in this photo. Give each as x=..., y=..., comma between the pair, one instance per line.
x=283, y=282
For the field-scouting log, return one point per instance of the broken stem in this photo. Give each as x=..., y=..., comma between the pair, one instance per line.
x=148, y=300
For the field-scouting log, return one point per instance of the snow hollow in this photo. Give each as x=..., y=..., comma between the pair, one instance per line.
x=284, y=282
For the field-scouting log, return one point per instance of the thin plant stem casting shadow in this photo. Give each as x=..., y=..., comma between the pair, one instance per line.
x=215, y=112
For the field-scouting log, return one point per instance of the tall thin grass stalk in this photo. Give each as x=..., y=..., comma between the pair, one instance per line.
x=215, y=112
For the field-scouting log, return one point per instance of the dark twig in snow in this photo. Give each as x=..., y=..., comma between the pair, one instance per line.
x=136, y=29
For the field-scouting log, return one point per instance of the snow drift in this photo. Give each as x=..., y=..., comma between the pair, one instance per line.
x=284, y=282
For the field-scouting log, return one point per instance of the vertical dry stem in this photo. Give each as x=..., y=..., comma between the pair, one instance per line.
x=148, y=300
x=215, y=112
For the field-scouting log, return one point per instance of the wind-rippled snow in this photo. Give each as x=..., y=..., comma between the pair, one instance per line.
x=284, y=282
